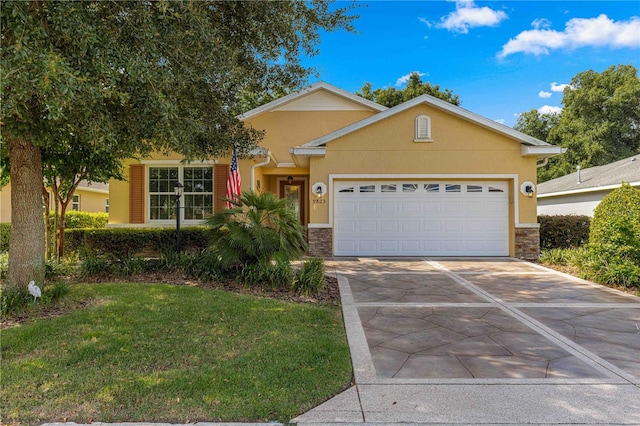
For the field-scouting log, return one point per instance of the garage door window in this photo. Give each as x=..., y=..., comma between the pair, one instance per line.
x=451, y=188
x=367, y=188
x=432, y=187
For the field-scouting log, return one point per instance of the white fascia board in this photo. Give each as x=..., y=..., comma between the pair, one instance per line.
x=584, y=190
x=541, y=151
x=437, y=103
x=313, y=88
x=308, y=151
x=259, y=152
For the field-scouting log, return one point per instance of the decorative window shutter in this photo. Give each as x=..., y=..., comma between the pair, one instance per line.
x=136, y=193
x=423, y=128
x=220, y=176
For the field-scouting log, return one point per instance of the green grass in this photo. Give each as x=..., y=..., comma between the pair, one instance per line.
x=161, y=353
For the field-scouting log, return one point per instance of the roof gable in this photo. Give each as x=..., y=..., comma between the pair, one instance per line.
x=318, y=97
x=436, y=103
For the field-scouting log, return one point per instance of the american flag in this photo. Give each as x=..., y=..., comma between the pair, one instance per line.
x=233, y=182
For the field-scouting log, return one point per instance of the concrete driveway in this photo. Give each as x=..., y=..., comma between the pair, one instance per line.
x=483, y=341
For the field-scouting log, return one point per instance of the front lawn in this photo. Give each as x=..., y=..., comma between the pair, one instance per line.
x=165, y=353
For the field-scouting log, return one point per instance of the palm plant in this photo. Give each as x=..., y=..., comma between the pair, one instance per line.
x=258, y=228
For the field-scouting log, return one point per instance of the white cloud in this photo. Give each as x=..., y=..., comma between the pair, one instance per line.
x=500, y=120
x=468, y=15
x=544, y=94
x=405, y=78
x=578, y=32
x=541, y=23
x=548, y=109
x=555, y=87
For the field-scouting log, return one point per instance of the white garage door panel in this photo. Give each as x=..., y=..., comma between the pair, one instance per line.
x=421, y=218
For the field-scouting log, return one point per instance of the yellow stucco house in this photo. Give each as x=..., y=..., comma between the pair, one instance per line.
x=88, y=197
x=424, y=178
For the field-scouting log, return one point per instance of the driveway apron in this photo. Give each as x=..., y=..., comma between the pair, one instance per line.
x=483, y=341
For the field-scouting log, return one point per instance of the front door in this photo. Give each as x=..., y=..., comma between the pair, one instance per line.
x=294, y=193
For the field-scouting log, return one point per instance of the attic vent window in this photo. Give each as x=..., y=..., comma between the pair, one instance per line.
x=423, y=129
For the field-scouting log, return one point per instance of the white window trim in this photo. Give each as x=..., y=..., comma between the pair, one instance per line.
x=74, y=203
x=418, y=136
x=180, y=166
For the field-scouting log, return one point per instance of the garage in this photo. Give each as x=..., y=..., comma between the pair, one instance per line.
x=421, y=218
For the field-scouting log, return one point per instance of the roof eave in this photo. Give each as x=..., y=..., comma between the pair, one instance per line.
x=440, y=104
x=545, y=151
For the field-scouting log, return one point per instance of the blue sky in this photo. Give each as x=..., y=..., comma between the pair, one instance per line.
x=501, y=58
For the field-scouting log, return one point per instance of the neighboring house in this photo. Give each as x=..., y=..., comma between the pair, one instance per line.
x=425, y=178
x=580, y=193
x=88, y=197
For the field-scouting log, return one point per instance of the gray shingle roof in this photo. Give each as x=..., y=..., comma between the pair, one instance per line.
x=627, y=170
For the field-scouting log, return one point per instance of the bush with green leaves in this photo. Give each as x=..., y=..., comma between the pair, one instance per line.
x=258, y=228
x=563, y=231
x=78, y=219
x=310, y=277
x=614, y=239
x=5, y=230
x=125, y=243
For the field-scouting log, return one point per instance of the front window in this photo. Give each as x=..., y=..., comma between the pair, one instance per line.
x=75, y=203
x=197, y=198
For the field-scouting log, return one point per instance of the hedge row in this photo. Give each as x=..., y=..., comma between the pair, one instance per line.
x=563, y=231
x=73, y=219
x=125, y=243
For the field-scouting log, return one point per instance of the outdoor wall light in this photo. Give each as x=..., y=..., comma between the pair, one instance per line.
x=319, y=189
x=290, y=180
x=528, y=189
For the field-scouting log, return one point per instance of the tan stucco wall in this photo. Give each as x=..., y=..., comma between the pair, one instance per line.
x=459, y=147
x=90, y=201
x=287, y=129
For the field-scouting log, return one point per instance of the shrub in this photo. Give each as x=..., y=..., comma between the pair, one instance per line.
x=124, y=243
x=614, y=239
x=259, y=229
x=4, y=265
x=78, y=219
x=275, y=274
x=563, y=231
x=5, y=231
x=310, y=277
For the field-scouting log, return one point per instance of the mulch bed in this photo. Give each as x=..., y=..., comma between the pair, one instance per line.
x=330, y=294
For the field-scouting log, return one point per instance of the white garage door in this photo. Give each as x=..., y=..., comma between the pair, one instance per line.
x=425, y=218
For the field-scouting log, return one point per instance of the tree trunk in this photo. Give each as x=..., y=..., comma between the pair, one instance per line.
x=27, y=244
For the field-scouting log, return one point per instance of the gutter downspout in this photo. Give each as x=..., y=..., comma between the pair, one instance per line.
x=544, y=163
x=255, y=166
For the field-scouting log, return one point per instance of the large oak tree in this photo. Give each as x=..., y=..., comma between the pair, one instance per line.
x=599, y=122
x=390, y=96
x=110, y=79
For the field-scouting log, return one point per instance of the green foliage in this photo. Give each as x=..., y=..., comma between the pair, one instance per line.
x=78, y=219
x=5, y=230
x=563, y=231
x=391, y=96
x=310, y=277
x=86, y=85
x=17, y=300
x=258, y=229
x=124, y=243
x=4, y=264
x=275, y=274
x=599, y=123
x=536, y=124
x=614, y=240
